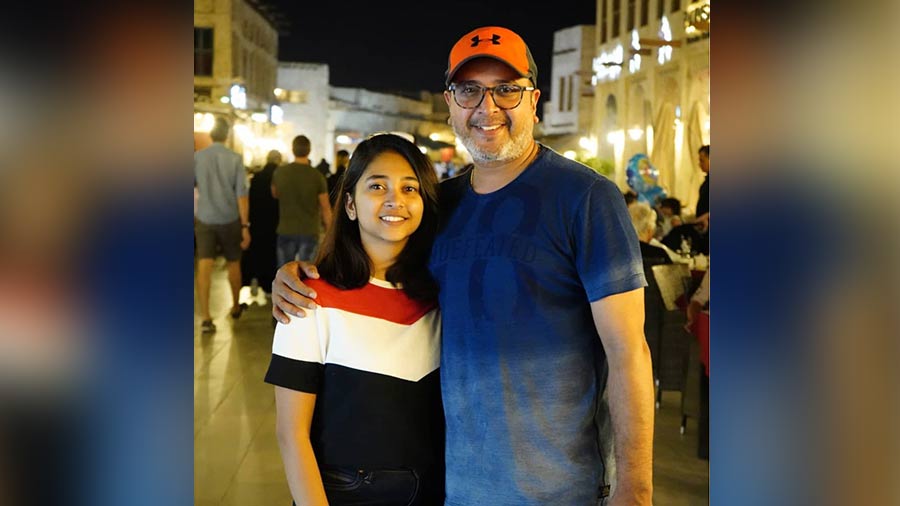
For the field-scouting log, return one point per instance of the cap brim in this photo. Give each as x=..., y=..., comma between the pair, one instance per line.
x=493, y=57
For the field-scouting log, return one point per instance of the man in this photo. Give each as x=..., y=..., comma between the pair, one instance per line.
x=543, y=356
x=702, y=219
x=334, y=180
x=302, y=205
x=695, y=233
x=222, y=217
x=703, y=199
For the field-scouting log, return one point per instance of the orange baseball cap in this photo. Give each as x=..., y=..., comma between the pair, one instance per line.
x=493, y=42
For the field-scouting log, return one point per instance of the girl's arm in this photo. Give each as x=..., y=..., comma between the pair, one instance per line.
x=294, y=418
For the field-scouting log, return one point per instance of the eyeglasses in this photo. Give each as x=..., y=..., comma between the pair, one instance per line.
x=470, y=95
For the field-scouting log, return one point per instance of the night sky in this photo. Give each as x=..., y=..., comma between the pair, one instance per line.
x=403, y=45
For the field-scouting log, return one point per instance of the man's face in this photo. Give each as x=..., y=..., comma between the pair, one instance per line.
x=704, y=162
x=489, y=133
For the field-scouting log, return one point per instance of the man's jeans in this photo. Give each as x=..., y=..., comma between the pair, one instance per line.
x=296, y=247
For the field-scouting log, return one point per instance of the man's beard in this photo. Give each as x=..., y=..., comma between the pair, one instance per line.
x=516, y=147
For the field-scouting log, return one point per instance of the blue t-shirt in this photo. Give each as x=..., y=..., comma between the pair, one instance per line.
x=523, y=371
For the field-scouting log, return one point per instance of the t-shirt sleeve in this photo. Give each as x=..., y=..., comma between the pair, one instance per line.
x=298, y=355
x=607, y=253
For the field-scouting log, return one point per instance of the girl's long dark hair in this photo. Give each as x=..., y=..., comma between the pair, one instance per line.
x=342, y=260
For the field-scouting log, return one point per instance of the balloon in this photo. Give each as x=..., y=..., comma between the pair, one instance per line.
x=642, y=177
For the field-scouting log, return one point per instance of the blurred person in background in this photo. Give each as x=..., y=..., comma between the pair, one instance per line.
x=702, y=214
x=700, y=303
x=324, y=168
x=670, y=216
x=334, y=180
x=643, y=218
x=303, y=205
x=630, y=197
x=259, y=261
x=223, y=218
x=695, y=233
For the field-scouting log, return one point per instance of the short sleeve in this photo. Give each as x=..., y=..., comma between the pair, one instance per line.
x=298, y=355
x=606, y=248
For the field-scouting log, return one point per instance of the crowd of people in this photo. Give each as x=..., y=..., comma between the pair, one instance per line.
x=464, y=340
x=257, y=220
x=687, y=235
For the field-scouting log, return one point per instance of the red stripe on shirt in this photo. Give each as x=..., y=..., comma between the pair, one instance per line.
x=371, y=300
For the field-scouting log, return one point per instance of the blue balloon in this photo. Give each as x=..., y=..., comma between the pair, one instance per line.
x=642, y=177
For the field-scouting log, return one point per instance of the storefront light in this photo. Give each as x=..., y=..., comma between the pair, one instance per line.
x=343, y=139
x=635, y=133
x=238, y=96
x=589, y=144
x=569, y=154
x=665, y=33
x=608, y=65
x=245, y=135
x=276, y=114
x=203, y=122
x=634, y=64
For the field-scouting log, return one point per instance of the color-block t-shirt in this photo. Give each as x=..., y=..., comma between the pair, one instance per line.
x=371, y=355
x=523, y=373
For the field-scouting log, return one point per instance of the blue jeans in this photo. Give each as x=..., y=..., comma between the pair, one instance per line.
x=296, y=247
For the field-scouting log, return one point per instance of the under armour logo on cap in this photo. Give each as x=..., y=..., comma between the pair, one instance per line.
x=495, y=42
x=495, y=39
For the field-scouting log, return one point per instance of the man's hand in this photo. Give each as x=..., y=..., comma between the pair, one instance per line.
x=289, y=294
x=245, y=238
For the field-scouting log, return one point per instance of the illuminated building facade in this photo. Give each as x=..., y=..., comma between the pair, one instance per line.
x=235, y=67
x=651, y=88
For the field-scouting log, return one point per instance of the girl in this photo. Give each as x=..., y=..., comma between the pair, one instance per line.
x=357, y=385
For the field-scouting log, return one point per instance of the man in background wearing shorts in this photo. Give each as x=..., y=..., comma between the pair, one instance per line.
x=223, y=223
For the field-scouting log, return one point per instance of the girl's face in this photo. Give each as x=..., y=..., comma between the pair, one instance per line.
x=387, y=203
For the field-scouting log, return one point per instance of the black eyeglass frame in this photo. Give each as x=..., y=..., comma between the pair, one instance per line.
x=485, y=89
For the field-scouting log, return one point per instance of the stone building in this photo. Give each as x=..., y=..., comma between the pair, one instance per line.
x=651, y=88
